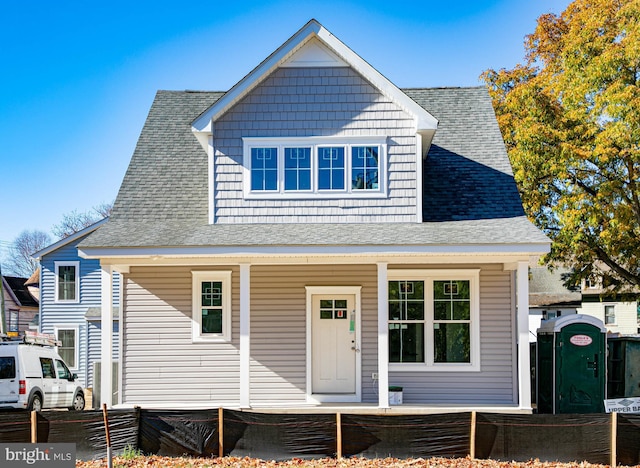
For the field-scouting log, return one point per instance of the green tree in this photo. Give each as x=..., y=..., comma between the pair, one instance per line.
x=570, y=117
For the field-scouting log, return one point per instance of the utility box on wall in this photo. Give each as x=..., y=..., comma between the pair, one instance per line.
x=571, y=364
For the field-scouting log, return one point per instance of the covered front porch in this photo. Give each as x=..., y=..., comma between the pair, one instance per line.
x=261, y=345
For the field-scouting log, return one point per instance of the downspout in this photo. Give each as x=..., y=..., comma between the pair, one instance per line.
x=3, y=323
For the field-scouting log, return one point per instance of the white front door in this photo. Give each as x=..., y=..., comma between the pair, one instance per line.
x=334, y=345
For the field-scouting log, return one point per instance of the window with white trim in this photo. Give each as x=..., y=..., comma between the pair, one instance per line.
x=211, y=320
x=314, y=167
x=68, y=349
x=434, y=320
x=67, y=281
x=610, y=314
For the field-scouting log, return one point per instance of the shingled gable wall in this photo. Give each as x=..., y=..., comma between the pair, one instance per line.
x=299, y=102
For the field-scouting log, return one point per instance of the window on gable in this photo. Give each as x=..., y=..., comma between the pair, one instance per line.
x=434, y=320
x=211, y=306
x=365, y=167
x=264, y=169
x=297, y=169
x=331, y=168
x=319, y=167
x=67, y=282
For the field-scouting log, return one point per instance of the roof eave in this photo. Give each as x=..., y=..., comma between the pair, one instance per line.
x=67, y=240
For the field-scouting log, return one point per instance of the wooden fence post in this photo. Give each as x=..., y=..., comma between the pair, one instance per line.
x=220, y=432
x=34, y=427
x=614, y=437
x=338, y=436
x=472, y=437
x=108, y=435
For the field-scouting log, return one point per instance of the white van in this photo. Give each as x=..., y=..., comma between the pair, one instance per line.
x=33, y=376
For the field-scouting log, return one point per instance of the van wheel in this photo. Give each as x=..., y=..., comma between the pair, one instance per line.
x=35, y=403
x=78, y=402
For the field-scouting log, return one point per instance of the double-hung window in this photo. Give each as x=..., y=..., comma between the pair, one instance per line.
x=68, y=349
x=67, y=281
x=609, y=314
x=211, y=306
x=314, y=167
x=434, y=320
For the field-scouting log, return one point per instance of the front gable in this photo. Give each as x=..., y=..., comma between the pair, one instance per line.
x=314, y=134
x=311, y=44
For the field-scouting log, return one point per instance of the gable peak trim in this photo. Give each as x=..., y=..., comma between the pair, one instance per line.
x=203, y=125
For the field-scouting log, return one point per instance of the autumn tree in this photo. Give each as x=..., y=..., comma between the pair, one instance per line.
x=76, y=221
x=570, y=117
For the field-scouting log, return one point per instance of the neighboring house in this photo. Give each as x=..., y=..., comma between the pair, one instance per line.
x=70, y=293
x=548, y=297
x=618, y=312
x=20, y=306
x=315, y=235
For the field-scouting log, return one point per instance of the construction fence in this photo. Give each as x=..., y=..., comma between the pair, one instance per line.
x=596, y=438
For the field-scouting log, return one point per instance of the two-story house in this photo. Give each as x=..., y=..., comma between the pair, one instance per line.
x=70, y=303
x=20, y=306
x=314, y=235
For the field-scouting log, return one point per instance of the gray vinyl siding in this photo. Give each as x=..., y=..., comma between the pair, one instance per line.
x=71, y=315
x=278, y=325
x=298, y=102
x=494, y=384
x=160, y=362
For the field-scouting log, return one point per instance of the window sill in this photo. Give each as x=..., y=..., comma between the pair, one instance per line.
x=210, y=339
x=315, y=195
x=421, y=367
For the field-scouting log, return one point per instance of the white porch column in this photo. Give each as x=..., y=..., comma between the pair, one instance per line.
x=245, y=338
x=522, y=321
x=106, y=346
x=383, y=336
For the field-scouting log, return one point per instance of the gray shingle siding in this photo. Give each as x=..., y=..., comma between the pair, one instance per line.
x=301, y=102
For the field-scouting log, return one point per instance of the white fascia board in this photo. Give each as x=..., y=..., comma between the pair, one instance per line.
x=347, y=251
x=67, y=240
x=425, y=122
x=204, y=123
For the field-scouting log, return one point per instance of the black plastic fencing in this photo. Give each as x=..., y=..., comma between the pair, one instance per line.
x=562, y=438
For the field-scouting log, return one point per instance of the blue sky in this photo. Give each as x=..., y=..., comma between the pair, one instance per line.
x=78, y=77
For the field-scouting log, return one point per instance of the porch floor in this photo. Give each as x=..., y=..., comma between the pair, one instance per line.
x=346, y=408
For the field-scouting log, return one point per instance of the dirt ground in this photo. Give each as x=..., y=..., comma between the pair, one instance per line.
x=156, y=461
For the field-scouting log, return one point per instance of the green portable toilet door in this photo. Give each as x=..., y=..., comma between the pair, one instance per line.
x=580, y=369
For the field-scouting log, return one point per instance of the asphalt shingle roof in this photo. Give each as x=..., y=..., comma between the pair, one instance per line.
x=470, y=196
x=20, y=291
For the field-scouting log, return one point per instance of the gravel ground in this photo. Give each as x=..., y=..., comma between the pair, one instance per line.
x=183, y=462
